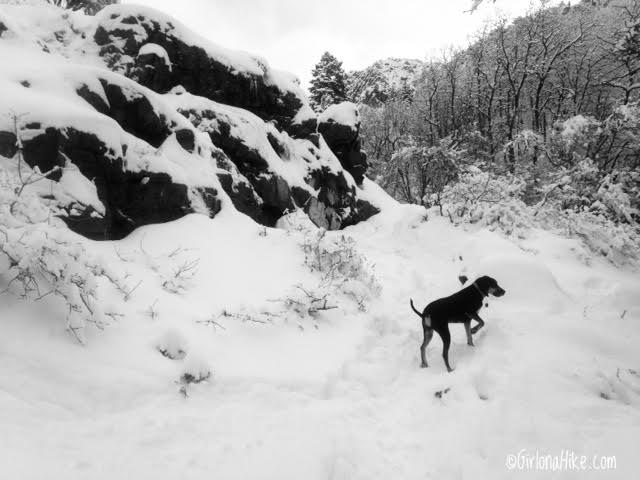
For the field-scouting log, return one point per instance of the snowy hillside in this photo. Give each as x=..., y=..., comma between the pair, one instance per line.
x=335, y=395
x=384, y=79
x=198, y=281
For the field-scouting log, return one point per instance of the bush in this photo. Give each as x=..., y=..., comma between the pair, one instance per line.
x=488, y=200
x=584, y=187
x=617, y=242
x=580, y=204
x=41, y=259
x=418, y=172
x=341, y=267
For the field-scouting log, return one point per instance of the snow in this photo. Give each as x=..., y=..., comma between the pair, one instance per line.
x=305, y=113
x=157, y=50
x=384, y=77
x=345, y=113
x=35, y=25
x=398, y=71
x=251, y=392
x=172, y=344
x=78, y=187
x=341, y=396
x=576, y=126
x=110, y=18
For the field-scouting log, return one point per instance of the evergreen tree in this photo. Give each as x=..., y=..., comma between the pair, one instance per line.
x=328, y=84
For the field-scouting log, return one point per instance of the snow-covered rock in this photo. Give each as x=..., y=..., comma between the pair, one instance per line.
x=120, y=95
x=206, y=69
x=340, y=126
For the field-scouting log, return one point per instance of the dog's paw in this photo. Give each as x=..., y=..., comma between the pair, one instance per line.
x=471, y=344
x=424, y=365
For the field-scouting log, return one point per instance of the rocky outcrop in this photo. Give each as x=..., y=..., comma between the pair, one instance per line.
x=340, y=127
x=192, y=125
x=273, y=173
x=202, y=68
x=126, y=143
x=130, y=198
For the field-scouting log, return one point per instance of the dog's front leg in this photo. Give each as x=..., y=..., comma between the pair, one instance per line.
x=480, y=324
x=467, y=329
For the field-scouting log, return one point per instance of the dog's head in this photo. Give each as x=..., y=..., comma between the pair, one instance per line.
x=489, y=286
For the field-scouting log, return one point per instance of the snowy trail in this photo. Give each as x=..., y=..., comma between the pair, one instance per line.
x=349, y=401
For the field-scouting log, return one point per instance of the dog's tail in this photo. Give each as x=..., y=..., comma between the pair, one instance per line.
x=414, y=308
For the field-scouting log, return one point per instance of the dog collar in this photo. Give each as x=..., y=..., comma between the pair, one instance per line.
x=480, y=291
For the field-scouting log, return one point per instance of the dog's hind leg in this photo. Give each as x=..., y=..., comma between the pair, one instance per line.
x=428, y=334
x=467, y=328
x=446, y=343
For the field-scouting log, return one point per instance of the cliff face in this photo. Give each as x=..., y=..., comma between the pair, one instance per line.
x=158, y=122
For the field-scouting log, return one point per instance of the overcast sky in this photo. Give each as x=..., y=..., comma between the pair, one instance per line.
x=292, y=34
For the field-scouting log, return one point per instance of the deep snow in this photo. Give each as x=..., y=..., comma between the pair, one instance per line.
x=338, y=397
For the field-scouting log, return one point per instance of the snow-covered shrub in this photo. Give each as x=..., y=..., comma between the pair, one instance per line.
x=195, y=370
x=309, y=302
x=42, y=259
x=617, y=242
x=570, y=140
x=581, y=203
x=584, y=187
x=339, y=271
x=611, y=144
x=526, y=146
x=489, y=200
x=341, y=267
x=420, y=171
x=175, y=269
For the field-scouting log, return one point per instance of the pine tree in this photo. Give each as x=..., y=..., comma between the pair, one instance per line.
x=328, y=84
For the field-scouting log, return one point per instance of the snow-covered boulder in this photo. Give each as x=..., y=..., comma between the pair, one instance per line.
x=340, y=126
x=152, y=66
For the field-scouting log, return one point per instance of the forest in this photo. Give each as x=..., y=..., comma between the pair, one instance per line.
x=536, y=120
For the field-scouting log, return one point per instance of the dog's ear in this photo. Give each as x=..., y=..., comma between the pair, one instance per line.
x=463, y=279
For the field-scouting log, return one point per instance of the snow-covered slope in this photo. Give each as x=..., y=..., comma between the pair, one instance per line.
x=339, y=395
x=383, y=80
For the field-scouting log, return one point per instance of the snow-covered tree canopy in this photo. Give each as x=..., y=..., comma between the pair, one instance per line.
x=328, y=83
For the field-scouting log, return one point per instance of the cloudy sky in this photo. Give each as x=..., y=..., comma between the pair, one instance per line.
x=293, y=34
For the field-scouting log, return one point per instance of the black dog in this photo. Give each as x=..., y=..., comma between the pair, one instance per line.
x=461, y=307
